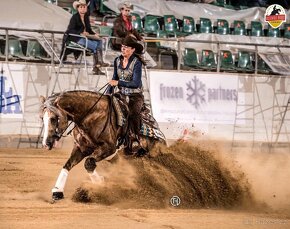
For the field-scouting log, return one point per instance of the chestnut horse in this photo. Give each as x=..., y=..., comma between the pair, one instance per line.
x=97, y=132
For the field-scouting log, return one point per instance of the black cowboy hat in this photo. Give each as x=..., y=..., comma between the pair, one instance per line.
x=133, y=43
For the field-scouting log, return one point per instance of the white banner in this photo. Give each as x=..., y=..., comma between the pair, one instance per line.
x=193, y=97
x=11, y=90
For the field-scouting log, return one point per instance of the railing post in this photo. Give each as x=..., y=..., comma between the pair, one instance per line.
x=179, y=54
x=6, y=46
x=256, y=59
x=218, y=57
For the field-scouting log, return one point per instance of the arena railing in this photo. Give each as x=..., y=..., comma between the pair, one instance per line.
x=50, y=42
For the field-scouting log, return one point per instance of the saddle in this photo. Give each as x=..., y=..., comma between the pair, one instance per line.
x=149, y=126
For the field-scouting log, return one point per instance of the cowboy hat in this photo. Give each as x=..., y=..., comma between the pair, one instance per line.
x=132, y=42
x=125, y=5
x=79, y=2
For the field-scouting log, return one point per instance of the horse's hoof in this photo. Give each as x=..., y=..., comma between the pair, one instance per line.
x=57, y=196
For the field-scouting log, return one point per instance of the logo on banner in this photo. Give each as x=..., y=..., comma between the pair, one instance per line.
x=195, y=92
x=10, y=102
x=275, y=15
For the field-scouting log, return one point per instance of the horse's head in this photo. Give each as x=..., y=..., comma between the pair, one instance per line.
x=54, y=121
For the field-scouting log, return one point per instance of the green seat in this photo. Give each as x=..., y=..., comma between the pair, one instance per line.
x=137, y=22
x=223, y=27
x=273, y=32
x=171, y=25
x=239, y=28
x=263, y=68
x=104, y=9
x=205, y=25
x=287, y=31
x=163, y=50
x=151, y=24
x=244, y=62
x=105, y=30
x=208, y=61
x=226, y=61
x=188, y=25
x=15, y=49
x=190, y=58
x=256, y=29
x=35, y=51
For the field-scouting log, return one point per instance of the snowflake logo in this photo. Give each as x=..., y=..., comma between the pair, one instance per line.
x=196, y=92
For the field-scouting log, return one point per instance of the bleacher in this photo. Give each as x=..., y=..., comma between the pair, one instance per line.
x=161, y=30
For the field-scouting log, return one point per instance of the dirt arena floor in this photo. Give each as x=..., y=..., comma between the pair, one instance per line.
x=217, y=190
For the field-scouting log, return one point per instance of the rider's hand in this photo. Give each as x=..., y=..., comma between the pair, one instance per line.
x=113, y=82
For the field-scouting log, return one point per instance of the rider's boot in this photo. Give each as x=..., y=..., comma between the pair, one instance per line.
x=97, y=65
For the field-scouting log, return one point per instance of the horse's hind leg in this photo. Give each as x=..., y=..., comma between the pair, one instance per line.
x=75, y=158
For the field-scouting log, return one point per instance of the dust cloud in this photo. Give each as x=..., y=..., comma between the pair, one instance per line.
x=200, y=176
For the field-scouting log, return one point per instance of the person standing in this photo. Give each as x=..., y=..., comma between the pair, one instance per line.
x=80, y=25
x=123, y=26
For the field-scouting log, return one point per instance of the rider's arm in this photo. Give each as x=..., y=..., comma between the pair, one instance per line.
x=137, y=74
x=115, y=77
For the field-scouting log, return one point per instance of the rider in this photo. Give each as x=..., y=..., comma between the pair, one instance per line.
x=127, y=76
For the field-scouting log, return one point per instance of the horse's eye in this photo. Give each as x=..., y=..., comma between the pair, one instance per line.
x=53, y=121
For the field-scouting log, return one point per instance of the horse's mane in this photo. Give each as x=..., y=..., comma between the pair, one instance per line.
x=50, y=102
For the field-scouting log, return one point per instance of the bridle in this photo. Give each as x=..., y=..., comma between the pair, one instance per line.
x=59, y=135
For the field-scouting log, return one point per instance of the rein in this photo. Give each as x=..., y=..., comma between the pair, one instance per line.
x=85, y=115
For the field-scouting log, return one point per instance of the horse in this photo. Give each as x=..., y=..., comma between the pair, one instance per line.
x=275, y=11
x=97, y=131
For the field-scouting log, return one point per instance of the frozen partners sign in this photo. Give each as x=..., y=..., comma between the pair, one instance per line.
x=275, y=15
x=193, y=98
x=10, y=99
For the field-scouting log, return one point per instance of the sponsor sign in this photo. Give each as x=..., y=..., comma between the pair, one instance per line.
x=275, y=15
x=11, y=96
x=193, y=98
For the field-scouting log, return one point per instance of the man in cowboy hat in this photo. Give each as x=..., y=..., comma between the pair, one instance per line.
x=123, y=25
x=127, y=77
x=80, y=25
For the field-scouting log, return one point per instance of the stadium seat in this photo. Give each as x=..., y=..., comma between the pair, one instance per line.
x=190, y=58
x=35, y=51
x=244, y=62
x=287, y=30
x=239, y=28
x=263, y=68
x=205, y=25
x=15, y=49
x=137, y=22
x=188, y=25
x=171, y=25
x=208, y=61
x=151, y=24
x=163, y=50
x=273, y=32
x=223, y=27
x=256, y=29
x=2, y=47
x=226, y=61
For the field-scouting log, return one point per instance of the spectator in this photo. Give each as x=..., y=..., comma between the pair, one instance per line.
x=123, y=26
x=80, y=25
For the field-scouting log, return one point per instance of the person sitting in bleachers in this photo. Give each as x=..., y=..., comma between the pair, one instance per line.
x=123, y=26
x=79, y=25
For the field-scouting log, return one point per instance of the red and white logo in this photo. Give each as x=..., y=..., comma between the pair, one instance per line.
x=275, y=15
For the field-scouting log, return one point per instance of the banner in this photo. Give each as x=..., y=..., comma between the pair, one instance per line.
x=11, y=91
x=193, y=97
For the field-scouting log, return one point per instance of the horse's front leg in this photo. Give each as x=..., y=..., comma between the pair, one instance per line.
x=99, y=154
x=75, y=158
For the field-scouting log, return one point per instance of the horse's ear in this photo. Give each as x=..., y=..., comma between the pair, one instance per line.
x=42, y=99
